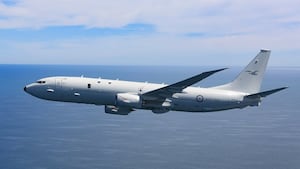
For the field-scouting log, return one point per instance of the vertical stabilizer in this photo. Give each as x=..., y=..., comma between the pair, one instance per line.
x=250, y=79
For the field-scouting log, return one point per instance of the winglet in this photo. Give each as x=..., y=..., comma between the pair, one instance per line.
x=265, y=93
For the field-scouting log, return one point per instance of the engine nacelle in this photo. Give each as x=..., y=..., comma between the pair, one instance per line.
x=117, y=110
x=160, y=111
x=128, y=100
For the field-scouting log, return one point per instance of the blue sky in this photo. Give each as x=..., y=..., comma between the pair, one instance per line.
x=148, y=32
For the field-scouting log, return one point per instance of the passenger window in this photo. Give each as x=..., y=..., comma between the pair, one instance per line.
x=89, y=86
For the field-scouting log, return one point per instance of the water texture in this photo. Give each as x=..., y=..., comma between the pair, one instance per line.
x=40, y=134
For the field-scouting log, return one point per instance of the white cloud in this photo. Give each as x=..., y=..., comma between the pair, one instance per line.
x=168, y=15
x=152, y=50
x=232, y=30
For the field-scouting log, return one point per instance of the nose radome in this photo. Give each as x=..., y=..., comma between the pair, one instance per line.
x=25, y=88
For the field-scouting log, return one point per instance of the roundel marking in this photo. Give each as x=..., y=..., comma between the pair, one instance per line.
x=199, y=98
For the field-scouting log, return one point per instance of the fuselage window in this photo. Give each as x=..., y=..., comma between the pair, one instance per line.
x=89, y=85
x=41, y=81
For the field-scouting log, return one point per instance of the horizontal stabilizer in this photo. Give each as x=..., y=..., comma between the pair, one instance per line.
x=265, y=93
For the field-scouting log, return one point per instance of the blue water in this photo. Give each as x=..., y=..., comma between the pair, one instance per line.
x=41, y=134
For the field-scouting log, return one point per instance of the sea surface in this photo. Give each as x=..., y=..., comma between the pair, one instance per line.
x=40, y=134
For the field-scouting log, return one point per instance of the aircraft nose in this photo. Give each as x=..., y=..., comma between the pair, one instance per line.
x=25, y=89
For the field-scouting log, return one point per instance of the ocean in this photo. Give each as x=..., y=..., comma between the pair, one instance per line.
x=40, y=134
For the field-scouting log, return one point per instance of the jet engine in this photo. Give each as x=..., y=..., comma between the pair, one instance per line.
x=117, y=110
x=128, y=100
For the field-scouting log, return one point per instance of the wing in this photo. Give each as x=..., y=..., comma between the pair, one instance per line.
x=168, y=91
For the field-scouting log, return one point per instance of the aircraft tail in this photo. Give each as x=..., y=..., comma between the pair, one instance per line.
x=250, y=79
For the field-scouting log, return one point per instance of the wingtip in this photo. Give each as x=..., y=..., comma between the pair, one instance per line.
x=265, y=50
x=215, y=71
x=218, y=70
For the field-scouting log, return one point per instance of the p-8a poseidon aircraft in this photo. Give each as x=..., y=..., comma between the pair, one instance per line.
x=123, y=97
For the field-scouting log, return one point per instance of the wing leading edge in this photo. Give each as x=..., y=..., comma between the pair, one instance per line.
x=168, y=91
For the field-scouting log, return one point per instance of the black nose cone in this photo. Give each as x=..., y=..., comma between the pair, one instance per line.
x=25, y=88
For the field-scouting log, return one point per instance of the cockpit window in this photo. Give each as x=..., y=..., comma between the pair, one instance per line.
x=41, y=81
